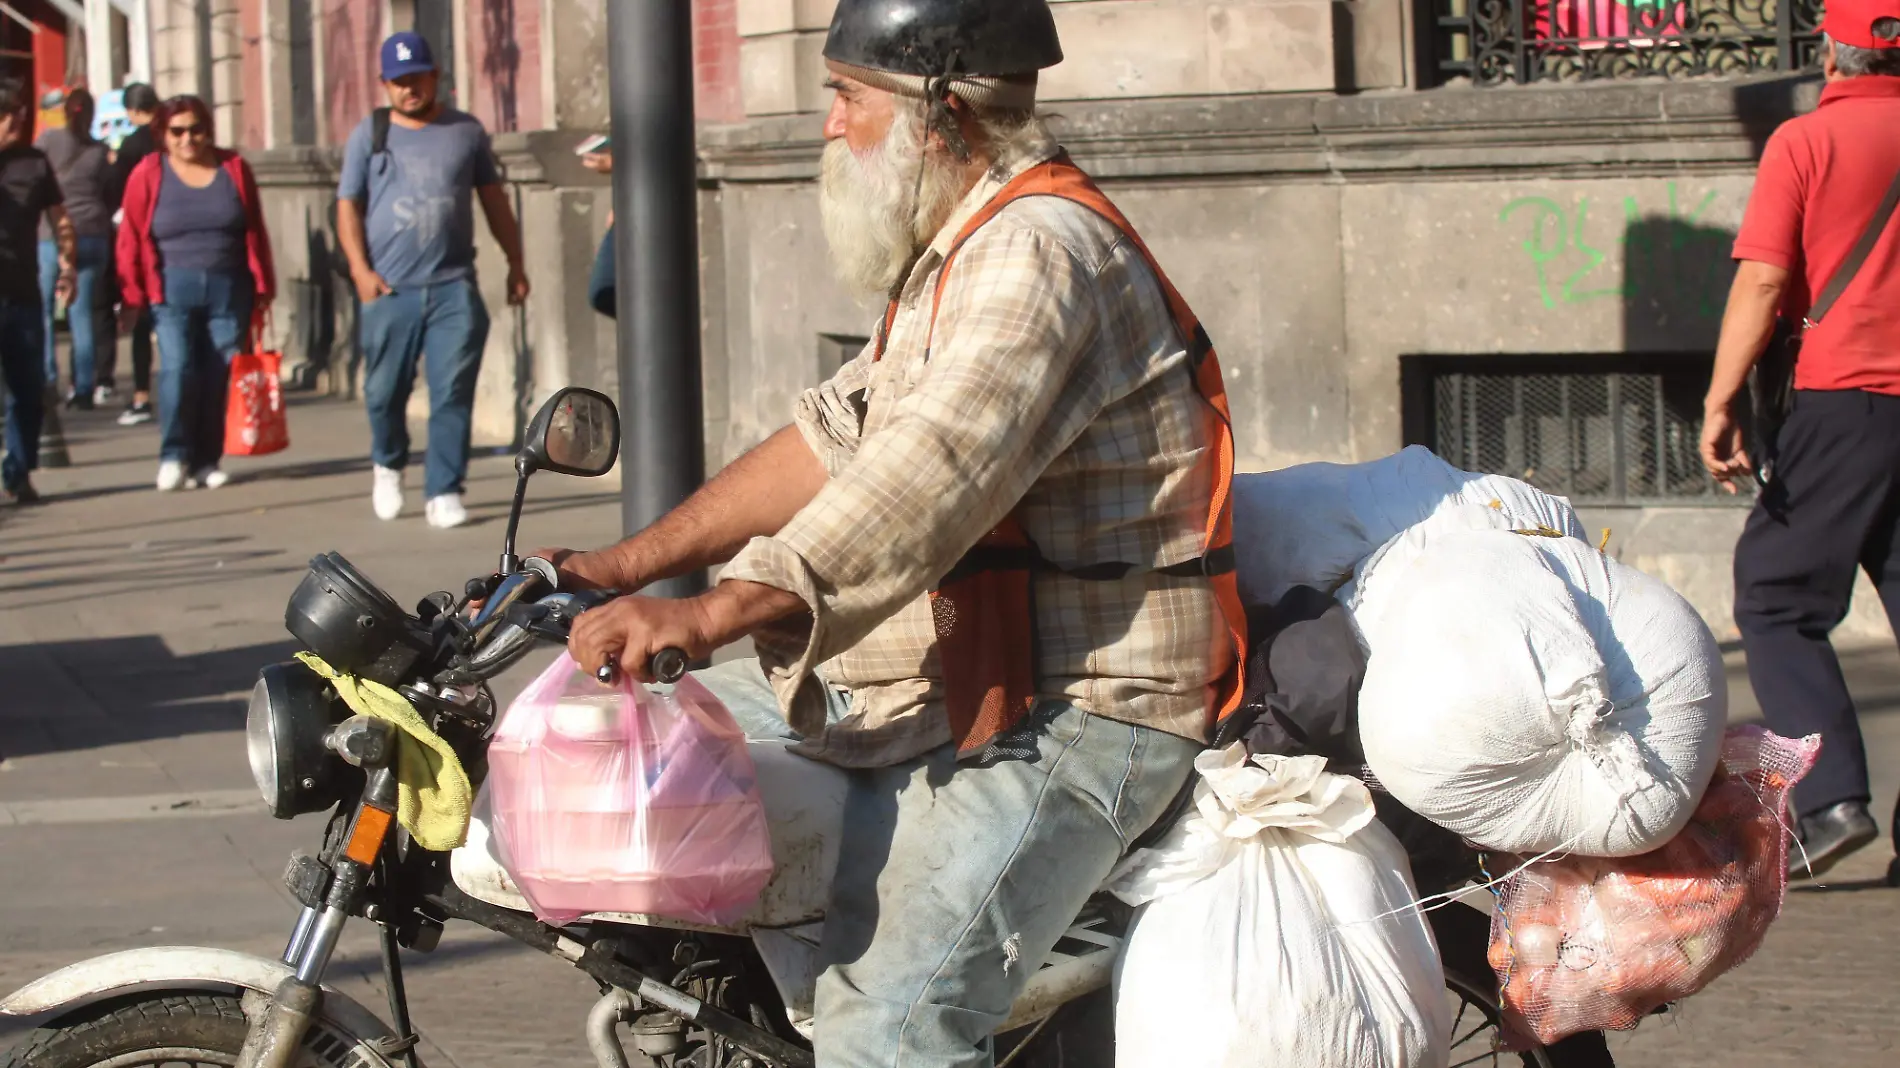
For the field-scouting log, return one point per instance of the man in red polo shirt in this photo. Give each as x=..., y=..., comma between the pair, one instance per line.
x=1834, y=493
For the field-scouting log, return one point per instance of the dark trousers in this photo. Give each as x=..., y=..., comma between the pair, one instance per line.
x=1829, y=511
x=23, y=364
x=141, y=351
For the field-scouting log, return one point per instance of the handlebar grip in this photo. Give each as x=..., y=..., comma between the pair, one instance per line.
x=669, y=665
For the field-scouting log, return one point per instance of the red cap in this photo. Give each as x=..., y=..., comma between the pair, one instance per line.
x=1851, y=22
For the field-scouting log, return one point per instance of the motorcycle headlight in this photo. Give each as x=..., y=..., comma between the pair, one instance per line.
x=284, y=731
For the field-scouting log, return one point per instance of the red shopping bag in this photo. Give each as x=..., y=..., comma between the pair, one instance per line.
x=254, y=419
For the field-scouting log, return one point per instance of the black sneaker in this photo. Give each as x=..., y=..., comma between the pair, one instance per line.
x=1824, y=838
x=79, y=402
x=24, y=493
x=135, y=414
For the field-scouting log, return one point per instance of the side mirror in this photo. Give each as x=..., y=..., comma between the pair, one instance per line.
x=577, y=432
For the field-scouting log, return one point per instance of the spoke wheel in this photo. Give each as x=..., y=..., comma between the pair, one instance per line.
x=164, y=1030
x=1476, y=1037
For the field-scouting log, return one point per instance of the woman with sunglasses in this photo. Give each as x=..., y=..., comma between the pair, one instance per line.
x=193, y=246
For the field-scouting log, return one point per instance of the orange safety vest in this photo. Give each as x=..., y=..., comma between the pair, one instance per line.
x=983, y=609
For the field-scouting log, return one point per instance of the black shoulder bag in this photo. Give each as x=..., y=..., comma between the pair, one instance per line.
x=1771, y=380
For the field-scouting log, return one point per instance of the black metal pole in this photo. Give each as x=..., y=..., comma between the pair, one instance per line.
x=656, y=254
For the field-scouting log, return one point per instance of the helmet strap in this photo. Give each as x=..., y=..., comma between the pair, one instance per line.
x=941, y=119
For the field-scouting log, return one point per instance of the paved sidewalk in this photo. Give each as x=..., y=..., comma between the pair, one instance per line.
x=132, y=625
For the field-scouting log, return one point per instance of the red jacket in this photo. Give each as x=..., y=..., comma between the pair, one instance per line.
x=141, y=280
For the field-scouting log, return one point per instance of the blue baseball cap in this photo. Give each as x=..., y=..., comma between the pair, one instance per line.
x=406, y=53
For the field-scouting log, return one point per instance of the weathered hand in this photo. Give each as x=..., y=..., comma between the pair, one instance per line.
x=1722, y=452
x=517, y=285
x=631, y=630
x=584, y=570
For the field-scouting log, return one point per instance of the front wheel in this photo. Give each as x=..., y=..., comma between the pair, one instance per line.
x=170, y=1029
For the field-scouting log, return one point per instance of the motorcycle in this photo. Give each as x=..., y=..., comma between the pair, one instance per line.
x=689, y=996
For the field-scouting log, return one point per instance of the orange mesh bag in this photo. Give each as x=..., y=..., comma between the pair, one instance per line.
x=1588, y=943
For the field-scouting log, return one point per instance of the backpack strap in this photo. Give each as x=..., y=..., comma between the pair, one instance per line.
x=379, y=131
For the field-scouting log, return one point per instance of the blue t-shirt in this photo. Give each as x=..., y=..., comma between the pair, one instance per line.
x=199, y=229
x=421, y=216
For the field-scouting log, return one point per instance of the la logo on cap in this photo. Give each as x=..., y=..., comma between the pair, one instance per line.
x=402, y=52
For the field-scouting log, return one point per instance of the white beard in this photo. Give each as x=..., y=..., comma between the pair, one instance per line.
x=877, y=215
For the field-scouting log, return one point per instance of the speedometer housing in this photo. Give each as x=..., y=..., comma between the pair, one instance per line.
x=292, y=711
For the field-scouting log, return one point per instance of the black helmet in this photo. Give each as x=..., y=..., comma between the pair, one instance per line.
x=933, y=38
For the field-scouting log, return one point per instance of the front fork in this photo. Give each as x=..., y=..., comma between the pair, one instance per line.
x=276, y=1035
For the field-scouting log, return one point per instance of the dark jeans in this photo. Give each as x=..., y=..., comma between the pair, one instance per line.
x=141, y=350
x=82, y=318
x=444, y=327
x=203, y=322
x=1830, y=510
x=23, y=363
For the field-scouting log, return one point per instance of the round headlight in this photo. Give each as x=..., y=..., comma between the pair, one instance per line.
x=291, y=714
x=260, y=742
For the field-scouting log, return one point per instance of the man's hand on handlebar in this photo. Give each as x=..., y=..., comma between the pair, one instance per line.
x=632, y=629
x=583, y=570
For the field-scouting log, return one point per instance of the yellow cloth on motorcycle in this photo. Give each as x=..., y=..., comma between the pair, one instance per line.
x=433, y=795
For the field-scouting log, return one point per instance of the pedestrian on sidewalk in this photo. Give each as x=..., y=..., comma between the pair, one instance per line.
x=193, y=247
x=141, y=107
x=1831, y=505
x=29, y=192
x=601, y=283
x=83, y=166
x=407, y=225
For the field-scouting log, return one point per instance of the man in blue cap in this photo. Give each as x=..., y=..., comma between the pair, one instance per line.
x=406, y=221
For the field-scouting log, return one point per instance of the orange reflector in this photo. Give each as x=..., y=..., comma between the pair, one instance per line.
x=366, y=838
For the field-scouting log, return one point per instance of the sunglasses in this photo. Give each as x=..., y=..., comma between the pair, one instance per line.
x=194, y=130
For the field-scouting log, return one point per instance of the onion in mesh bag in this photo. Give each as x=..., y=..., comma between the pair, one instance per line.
x=1532, y=694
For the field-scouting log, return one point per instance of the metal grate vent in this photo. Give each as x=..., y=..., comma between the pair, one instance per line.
x=1598, y=438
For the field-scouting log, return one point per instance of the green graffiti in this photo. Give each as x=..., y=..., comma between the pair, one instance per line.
x=1671, y=256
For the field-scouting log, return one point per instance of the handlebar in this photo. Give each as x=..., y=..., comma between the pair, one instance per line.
x=512, y=629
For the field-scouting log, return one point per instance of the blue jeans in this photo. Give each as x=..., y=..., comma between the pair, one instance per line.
x=955, y=880
x=82, y=319
x=203, y=322
x=445, y=327
x=24, y=368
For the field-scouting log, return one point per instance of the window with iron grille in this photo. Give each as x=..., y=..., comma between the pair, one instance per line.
x=1596, y=429
x=1502, y=42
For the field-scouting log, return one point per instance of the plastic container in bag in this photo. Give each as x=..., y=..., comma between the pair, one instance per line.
x=1584, y=944
x=619, y=799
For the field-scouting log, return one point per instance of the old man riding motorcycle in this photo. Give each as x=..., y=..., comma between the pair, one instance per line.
x=988, y=574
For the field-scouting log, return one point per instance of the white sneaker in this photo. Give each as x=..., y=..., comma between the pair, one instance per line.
x=101, y=395
x=387, y=497
x=445, y=511
x=171, y=475
x=212, y=478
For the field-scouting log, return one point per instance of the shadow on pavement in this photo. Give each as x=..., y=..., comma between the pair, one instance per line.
x=75, y=695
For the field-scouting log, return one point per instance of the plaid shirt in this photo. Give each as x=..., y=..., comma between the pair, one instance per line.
x=1057, y=386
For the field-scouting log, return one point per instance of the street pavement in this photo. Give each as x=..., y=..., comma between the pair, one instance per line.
x=132, y=625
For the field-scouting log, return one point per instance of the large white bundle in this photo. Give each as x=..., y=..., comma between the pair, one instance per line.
x=1311, y=525
x=1531, y=693
x=1275, y=930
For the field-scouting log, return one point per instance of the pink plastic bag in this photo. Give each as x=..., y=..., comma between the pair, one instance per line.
x=1589, y=943
x=618, y=799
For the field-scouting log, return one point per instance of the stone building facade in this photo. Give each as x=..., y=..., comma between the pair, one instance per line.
x=1499, y=229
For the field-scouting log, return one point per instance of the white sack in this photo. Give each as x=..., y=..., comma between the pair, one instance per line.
x=1257, y=946
x=1533, y=694
x=1310, y=525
